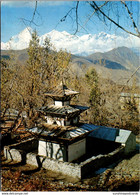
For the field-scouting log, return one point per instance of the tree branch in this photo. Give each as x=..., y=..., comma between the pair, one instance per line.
x=92, y=15
x=35, y=10
x=131, y=77
x=9, y=94
x=77, y=17
x=32, y=21
x=94, y=5
x=64, y=18
x=130, y=14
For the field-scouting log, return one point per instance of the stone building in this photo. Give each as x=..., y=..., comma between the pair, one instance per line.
x=62, y=143
x=60, y=135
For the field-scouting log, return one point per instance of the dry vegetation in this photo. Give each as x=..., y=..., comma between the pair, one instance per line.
x=22, y=88
x=18, y=177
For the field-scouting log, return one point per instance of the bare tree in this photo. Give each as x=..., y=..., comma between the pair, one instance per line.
x=109, y=12
x=99, y=10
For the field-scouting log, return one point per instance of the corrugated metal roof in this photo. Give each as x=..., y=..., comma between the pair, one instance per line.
x=89, y=127
x=13, y=112
x=51, y=130
x=82, y=129
x=81, y=108
x=78, y=131
x=111, y=134
x=100, y=132
x=69, y=111
x=60, y=111
x=63, y=132
x=61, y=91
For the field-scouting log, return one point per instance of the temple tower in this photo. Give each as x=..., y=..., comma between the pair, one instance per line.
x=62, y=113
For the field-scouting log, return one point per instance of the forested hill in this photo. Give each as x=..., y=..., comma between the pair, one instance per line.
x=118, y=58
x=115, y=64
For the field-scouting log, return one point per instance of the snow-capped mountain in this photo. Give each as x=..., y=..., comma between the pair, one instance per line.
x=78, y=45
x=20, y=41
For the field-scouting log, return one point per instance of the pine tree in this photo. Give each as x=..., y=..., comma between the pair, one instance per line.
x=98, y=113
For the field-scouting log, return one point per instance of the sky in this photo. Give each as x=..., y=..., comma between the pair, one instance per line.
x=49, y=14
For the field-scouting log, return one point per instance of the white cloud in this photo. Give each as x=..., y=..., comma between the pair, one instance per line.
x=32, y=3
x=80, y=45
x=18, y=3
x=52, y=3
x=88, y=44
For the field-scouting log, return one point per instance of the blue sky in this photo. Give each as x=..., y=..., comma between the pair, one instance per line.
x=50, y=14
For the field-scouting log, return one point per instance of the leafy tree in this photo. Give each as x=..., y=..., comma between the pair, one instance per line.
x=92, y=80
x=98, y=112
x=23, y=86
x=9, y=74
x=131, y=113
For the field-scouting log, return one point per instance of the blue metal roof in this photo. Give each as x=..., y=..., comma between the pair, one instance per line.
x=100, y=132
x=82, y=129
x=111, y=134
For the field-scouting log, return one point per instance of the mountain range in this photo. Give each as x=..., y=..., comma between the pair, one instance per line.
x=98, y=51
x=78, y=45
x=117, y=64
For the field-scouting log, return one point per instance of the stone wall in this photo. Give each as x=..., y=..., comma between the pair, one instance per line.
x=73, y=169
x=18, y=151
x=94, y=163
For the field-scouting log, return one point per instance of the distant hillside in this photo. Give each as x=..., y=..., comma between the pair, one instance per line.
x=117, y=64
x=122, y=56
x=21, y=55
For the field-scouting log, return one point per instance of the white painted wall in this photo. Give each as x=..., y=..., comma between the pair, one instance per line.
x=51, y=150
x=61, y=103
x=58, y=103
x=54, y=150
x=42, y=148
x=50, y=120
x=58, y=121
x=61, y=121
x=76, y=150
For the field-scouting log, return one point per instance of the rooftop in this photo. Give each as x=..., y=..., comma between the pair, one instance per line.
x=69, y=133
x=61, y=91
x=111, y=134
x=63, y=111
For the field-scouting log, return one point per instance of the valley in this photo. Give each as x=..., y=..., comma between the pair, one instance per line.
x=117, y=65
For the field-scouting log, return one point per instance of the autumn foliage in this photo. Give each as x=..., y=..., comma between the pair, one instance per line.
x=23, y=87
